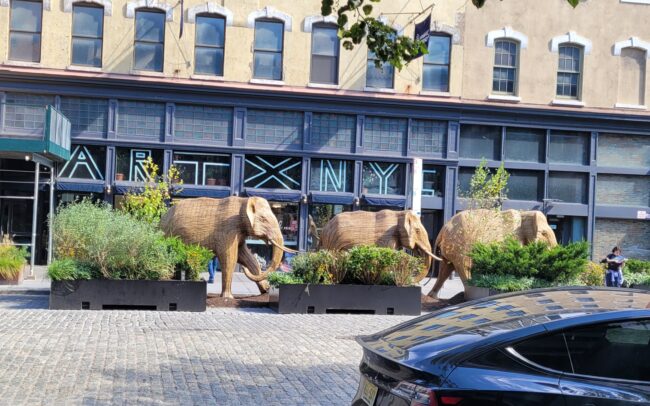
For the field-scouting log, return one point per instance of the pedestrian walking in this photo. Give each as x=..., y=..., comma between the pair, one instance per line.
x=213, y=267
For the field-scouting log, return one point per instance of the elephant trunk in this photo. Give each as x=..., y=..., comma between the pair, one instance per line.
x=276, y=260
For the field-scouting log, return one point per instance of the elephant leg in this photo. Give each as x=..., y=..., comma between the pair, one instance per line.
x=247, y=259
x=227, y=269
x=445, y=270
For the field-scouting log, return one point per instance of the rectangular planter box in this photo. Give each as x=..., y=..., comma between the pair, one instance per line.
x=365, y=299
x=182, y=296
x=473, y=292
x=14, y=281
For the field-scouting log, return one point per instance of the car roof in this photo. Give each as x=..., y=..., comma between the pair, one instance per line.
x=473, y=324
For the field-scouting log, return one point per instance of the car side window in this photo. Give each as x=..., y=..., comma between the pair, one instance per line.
x=619, y=350
x=549, y=351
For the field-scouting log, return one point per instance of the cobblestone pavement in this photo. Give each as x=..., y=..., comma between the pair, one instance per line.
x=221, y=357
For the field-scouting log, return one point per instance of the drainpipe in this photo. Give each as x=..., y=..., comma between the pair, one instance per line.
x=51, y=217
x=34, y=220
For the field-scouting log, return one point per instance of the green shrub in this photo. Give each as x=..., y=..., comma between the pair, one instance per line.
x=636, y=266
x=370, y=265
x=562, y=263
x=278, y=278
x=503, y=283
x=68, y=269
x=314, y=267
x=115, y=243
x=635, y=279
x=191, y=259
x=592, y=275
x=12, y=260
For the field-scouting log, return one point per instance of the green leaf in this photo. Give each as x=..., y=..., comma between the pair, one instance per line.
x=367, y=9
x=574, y=3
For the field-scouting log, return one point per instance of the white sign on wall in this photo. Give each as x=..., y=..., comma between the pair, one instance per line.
x=416, y=202
x=642, y=214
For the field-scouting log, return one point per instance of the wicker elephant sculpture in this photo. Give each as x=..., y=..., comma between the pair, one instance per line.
x=461, y=232
x=223, y=225
x=386, y=228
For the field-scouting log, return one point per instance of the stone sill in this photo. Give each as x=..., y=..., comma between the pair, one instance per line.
x=23, y=64
x=504, y=98
x=146, y=73
x=630, y=106
x=323, y=86
x=267, y=82
x=379, y=90
x=84, y=68
x=207, y=77
x=568, y=103
x=434, y=94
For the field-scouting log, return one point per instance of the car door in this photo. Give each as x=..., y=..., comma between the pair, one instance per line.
x=610, y=364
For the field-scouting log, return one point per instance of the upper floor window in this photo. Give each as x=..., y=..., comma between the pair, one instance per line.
x=569, y=71
x=504, y=78
x=435, y=75
x=379, y=78
x=87, y=35
x=210, y=39
x=149, y=40
x=324, y=55
x=25, y=31
x=269, y=40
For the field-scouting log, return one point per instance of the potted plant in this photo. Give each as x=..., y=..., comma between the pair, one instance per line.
x=119, y=177
x=211, y=182
x=110, y=259
x=366, y=279
x=12, y=263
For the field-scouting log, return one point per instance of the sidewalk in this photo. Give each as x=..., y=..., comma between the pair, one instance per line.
x=241, y=285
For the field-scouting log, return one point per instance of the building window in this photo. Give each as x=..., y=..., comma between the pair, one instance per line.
x=203, y=169
x=504, y=78
x=25, y=33
x=428, y=136
x=324, y=55
x=624, y=150
x=269, y=40
x=383, y=178
x=385, y=134
x=319, y=216
x=525, y=185
x=273, y=172
x=568, y=187
x=525, y=145
x=379, y=78
x=130, y=163
x=210, y=39
x=86, y=162
x=568, y=73
x=149, y=40
x=631, y=76
x=87, y=35
x=569, y=148
x=333, y=130
x=435, y=76
x=331, y=175
x=478, y=142
x=274, y=127
x=432, y=180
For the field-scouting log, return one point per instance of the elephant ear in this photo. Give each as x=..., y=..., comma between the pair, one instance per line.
x=407, y=229
x=252, y=207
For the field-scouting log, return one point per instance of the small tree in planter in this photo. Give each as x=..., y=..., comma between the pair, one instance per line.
x=12, y=262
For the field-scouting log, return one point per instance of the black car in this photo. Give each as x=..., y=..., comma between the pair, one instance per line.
x=564, y=346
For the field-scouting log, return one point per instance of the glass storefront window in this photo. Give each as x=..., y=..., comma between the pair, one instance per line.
x=525, y=185
x=480, y=141
x=203, y=169
x=331, y=175
x=525, y=145
x=273, y=172
x=464, y=179
x=319, y=215
x=568, y=187
x=569, y=148
x=65, y=198
x=86, y=162
x=432, y=180
x=383, y=178
x=129, y=166
x=287, y=215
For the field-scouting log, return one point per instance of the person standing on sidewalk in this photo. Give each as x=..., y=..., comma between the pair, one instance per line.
x=615, y=262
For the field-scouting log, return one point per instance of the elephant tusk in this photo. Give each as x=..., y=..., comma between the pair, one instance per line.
x=283, y=248
x=429, y=253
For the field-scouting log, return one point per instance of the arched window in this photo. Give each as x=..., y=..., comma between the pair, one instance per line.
x=324, y=54
x=25, y=30
x=87, y=34
x=268, y=48
x=504, y=76
x=149, y=40
x=435, y=75
x=631, y=76
x=569, y=73
x=209, y=44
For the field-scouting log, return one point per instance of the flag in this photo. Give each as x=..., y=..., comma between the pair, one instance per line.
x=422, y=30
x=180, y=35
